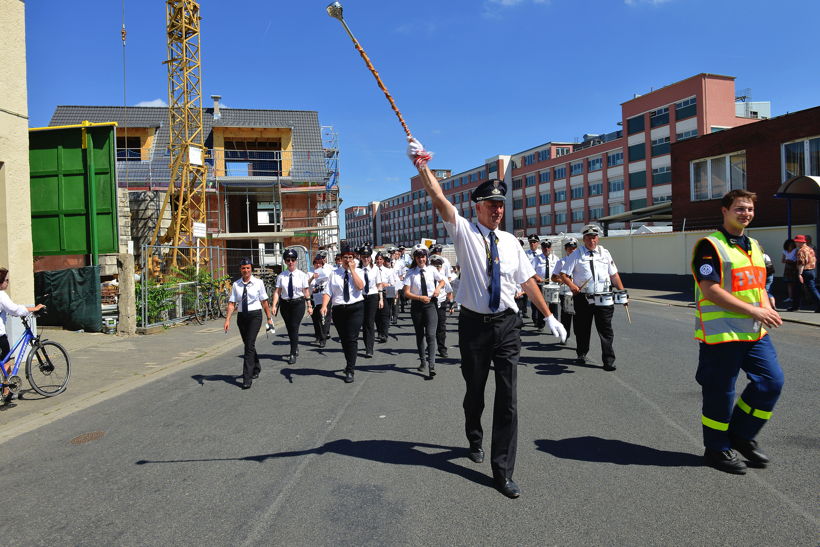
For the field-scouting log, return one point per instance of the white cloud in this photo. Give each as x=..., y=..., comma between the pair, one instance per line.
x=155, y=102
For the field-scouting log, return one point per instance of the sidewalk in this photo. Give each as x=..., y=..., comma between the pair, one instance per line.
x=104, y=366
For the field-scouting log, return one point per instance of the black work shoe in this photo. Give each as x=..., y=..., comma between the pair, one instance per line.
x=255, y=375
x=322, y=343
x=246, y=385
x=609, y=367
x=291, y=359
x=750, y=450
x=422, y=366
x=348, y=377
x=724, y=460
x=476, y=455
x=508, y=488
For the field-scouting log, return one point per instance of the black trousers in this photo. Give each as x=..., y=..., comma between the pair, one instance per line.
x=394, y=311
x=538, y=318
x=320, y=331
x=441, y=328
x=402, y=300
x=348, y=320
x=371, y=306
x=584, y=314
x=249, y=324
x=496, y=339
x=292, y=312
x=383, y=318
x=425, y=321
x=567, y=312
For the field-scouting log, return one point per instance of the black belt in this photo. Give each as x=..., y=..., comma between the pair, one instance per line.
x=343, y=306
x=249, y=312
x=487, y=317
x=292, y=300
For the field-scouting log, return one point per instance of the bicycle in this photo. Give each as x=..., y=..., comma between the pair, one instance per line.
x=211, y=303
x=48, y=367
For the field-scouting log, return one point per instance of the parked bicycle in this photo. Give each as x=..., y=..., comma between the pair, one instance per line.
x=212, y=302
x=48, y=368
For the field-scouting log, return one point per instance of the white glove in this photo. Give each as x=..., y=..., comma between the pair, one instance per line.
x=557, y=328
x=417, y=154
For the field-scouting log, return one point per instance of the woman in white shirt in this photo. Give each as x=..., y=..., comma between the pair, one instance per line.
x=317, y=287
x=249, y=295
x=388, y=296
x=7, y=307
x=292, y=291
x=343, y=291
x=372, y=298
x=422, y=285
x=444, y=305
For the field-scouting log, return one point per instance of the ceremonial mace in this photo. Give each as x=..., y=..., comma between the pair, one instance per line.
x=335, y=11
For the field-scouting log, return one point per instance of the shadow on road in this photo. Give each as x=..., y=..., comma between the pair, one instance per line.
x=595, y=449
x=381, y=451
x=227, y=378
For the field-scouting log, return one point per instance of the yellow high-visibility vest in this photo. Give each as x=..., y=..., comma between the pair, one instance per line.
x=744, y=276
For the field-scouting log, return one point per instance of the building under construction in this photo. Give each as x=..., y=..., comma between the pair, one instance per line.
x=270, y=183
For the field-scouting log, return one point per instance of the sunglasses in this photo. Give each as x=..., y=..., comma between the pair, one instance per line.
x=290, y=260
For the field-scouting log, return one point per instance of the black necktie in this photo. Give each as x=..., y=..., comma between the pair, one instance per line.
x=346, y=292
x=245, y=299
x=366, y=281
x=592, y=268
x=423, y=282
x=495, y=274
x=290, y=286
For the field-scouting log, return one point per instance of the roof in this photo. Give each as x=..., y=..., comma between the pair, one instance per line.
x=308, y=156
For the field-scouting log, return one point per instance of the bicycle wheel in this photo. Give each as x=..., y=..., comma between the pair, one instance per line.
x=48, y=368
x=222, y=304
x=201, y=310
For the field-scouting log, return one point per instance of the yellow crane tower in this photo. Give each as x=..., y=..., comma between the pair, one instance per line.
x=186, y=187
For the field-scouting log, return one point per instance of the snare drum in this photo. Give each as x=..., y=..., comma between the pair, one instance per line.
x=621, y=297
x=551, y=293
x=601, y=299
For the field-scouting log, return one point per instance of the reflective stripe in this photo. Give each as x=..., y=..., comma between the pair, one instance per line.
x=729, y=325
x=762, y=414
x=712, y=424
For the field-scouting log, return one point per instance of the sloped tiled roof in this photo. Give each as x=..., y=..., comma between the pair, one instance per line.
x=308, y=162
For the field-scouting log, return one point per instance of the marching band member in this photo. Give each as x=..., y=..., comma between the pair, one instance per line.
x=344, y=290
x=373, y=298
x=422, y=285
x=292, y=291
x=388, y=275
x=567, y=306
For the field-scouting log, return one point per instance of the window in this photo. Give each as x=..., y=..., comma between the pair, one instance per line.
x=637, y=152
x=544, y=155
x=801, y=158
x=531, y=201
x=594, y=164
x=637, y=204
x=560, y=218
x=545, y=199
x=518, y=203
x=576, y=168
x=492, y=168
x=128, y=149
x=659, y=117
x=596, y=189
x=578, y=216
x=634, y=125
x=516, y=184
x=562, y=151
x=529, y=159
x=711, y=178
x=532, y=221
x=686, y=135
x=530, y=180
x=637, y=180
x=615, y=209
x=560, y=195
x=596, y=213
x=560, y=173
x=267, y=213
x=660, y=146
x=662, y=175
x=660, y=199
x=544, y=176
x=518, y=223
x=616, y=184
x=615, y=158
x=577, y=192
x=686, y=108
x=546, y=220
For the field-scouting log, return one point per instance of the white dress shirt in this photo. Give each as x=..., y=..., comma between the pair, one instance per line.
x=580, y=264
x=414, y=277
x=335, y=287
x=472, y=244
x=374, y=278
x=301, y=281
x=390, y=279
x=256, y=293
x=7, y=307
x=564, y=288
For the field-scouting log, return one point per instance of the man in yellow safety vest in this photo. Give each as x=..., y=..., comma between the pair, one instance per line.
x=732, y=314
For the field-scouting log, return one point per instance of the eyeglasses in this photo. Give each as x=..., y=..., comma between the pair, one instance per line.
x=290, y=260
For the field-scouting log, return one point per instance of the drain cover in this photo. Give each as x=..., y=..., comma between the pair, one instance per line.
x=87, y=437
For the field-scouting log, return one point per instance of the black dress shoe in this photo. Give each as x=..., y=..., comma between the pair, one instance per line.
x=476, y=454
x=246, y=385
x=291, y=359
x=369, y=355
x=255, y=375
x=750, y=450
x=609, y=367
x=724, y=460
x=432, y=371
x=422, y=366
x=508, y=488
x=348, y=377
x=322, y=343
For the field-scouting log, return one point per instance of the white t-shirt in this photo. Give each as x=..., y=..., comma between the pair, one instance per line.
x=335, y=287
x=7, y=307
x=301, y=281
x=472, y=244
x=317, y=284
x=580, y=264
x=256, y=293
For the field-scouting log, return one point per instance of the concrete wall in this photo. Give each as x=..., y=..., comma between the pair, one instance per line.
x=16, y=252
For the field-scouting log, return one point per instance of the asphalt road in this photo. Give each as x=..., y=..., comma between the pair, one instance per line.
x=304, y=459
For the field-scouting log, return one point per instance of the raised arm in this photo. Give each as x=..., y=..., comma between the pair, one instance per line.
x=419, y=157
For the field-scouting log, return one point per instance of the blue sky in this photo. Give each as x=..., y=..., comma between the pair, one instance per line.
x=473, y=78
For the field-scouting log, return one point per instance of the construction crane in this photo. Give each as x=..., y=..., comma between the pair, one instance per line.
x=186, y=187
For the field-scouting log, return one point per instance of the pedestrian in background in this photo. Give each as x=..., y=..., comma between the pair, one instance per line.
x=539, y=262
x=806, y=278
x=373, y=299
x=731, y=320
x=249, y=295
x=292, y=291
x=343, y=292
x=422, y=285
x=567, y=305
x=388, y=292
x=317, y=289
x=789, y=261
x=767, y=260
x=444, y=307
